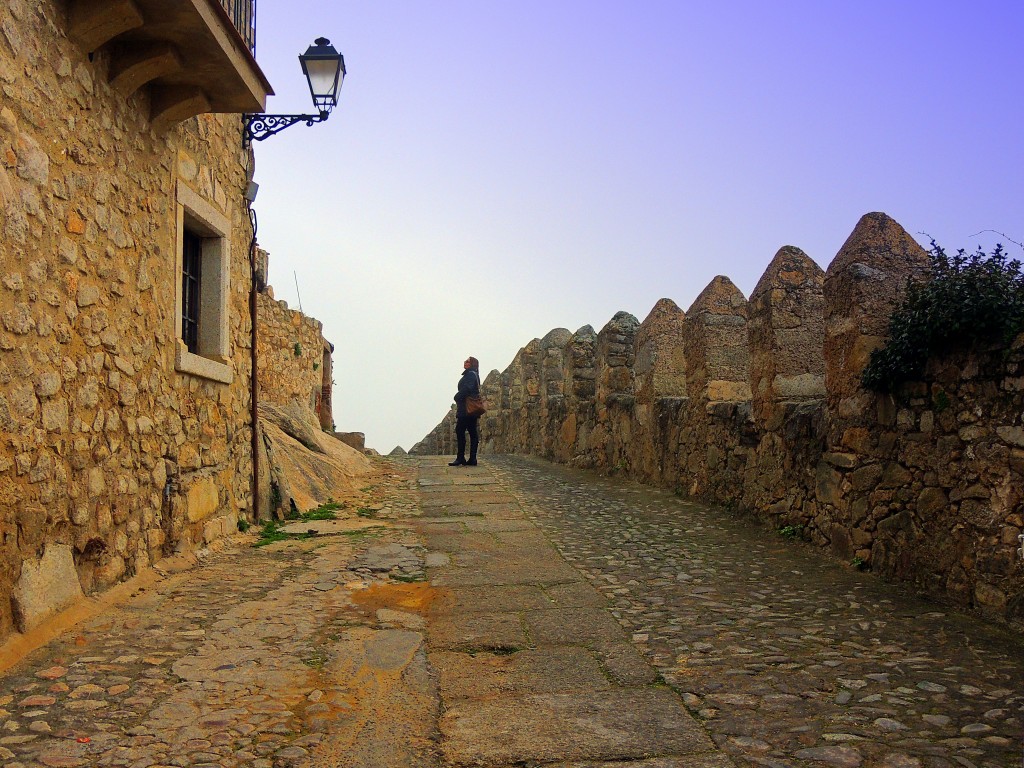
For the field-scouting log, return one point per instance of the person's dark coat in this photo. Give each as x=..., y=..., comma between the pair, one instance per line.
x=469, y=386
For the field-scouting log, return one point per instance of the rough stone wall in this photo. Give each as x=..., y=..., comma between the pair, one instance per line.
x=926, y=485
x=948, y=508
x=294, y=358
x=107, y=453
x=528, y=432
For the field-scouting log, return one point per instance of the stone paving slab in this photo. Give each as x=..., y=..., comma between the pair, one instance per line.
x=490, y=599
x=505, y=574
x=563, y=626
x=439, y=496
x=624, y=664
x=486, y=675
x=606, y=725
x=459, y=509
x=478, y=632
x=575, y=595
x=691, y=761
x=492, y=525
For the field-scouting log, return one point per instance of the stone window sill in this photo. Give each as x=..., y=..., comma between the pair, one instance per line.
x=204, y=367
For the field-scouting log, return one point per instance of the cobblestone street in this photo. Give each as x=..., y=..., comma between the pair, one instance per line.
x=787, y=658
x=440, y=627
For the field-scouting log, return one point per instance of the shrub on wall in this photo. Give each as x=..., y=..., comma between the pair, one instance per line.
x=971, y=300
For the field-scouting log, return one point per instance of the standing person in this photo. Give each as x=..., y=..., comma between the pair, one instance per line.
x=469, y=386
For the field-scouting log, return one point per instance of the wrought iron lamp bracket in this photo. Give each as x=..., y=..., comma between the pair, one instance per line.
x=259, y=126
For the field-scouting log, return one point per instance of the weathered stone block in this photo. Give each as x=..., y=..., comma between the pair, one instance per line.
x=202, y=500
x=931, y=502
x=828, y=485
x=841, y=460
x=46, y=586
x=1011, y=435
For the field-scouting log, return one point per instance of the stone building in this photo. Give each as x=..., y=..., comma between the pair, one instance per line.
x=125, y=353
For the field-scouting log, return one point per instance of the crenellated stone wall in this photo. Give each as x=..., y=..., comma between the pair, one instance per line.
x=759, y=405
x=116, y=445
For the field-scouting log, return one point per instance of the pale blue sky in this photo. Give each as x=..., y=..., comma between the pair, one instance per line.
x=496, y=170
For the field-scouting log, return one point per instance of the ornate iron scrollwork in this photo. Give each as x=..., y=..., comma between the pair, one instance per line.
x=260, y=126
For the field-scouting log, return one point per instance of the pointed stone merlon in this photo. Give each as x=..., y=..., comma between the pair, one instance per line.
x=552, y=363
x=580, y=354
x=660, y=357
x=516, y=388
x=863, y=285
x=715, y=344
x=580, y=376
x=616, y=356
x=787, y=333
x=490, y=389
x=531, y=371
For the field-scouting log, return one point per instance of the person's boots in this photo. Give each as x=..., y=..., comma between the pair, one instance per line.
x=459, y=462
x=472, y=460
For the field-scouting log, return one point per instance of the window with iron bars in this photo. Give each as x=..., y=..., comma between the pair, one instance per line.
x=191, y=281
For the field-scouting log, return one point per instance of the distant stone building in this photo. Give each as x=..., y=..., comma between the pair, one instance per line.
x=125, y=347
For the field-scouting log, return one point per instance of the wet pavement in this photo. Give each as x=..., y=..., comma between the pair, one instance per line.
x=520, y=614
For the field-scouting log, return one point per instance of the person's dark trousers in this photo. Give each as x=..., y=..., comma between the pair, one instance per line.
x=465, y=424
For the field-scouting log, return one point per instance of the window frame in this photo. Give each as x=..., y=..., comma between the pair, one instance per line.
x=210, y=357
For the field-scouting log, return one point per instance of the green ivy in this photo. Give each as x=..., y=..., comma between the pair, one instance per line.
x=971, y=300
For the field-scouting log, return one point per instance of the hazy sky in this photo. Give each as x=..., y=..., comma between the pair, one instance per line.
x=496, y=170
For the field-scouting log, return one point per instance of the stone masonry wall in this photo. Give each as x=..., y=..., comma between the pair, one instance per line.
x=294, y=358
x=758, y=405
x=109, y=456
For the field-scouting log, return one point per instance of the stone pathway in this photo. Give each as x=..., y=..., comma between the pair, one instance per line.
x=532, y=669
x=520, y=614
x=787, y=658
x=266, y=657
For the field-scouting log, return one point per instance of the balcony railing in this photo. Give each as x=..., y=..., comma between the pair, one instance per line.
x=243, y=14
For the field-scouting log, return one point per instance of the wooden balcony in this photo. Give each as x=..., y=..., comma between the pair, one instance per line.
x=193, y=56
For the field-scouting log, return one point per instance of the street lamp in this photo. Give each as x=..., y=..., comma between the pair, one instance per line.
x=324, y=69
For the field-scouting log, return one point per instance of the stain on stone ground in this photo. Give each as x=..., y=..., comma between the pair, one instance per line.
x=786, y=657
